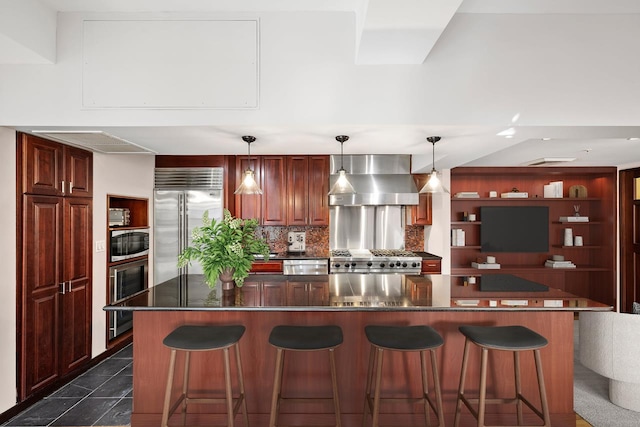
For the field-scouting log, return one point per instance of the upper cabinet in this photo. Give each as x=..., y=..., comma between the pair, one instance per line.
x=55, y=169
x=420, y=214
x=294, y=189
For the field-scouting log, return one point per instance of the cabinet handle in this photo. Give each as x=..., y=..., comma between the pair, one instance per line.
x=63, y=187
x=115, y=285
x=70, y=187
x=69, y=286
x=63, y=289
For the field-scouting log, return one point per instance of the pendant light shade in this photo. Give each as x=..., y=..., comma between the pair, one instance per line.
x=248, y=184
x=342, y=185
x=434, y=185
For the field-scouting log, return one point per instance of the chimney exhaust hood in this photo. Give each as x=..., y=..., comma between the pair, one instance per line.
x=378, y=179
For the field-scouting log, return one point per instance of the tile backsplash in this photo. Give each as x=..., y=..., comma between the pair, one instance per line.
x=317, y=238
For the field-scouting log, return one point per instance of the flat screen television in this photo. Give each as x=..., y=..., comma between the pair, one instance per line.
x=514, y=229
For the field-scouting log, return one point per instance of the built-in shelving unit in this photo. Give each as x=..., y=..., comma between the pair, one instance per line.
x=594, y=275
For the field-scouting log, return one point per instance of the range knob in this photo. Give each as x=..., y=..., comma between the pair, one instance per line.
x=369, y=264
x=382, y=264
x=415, y=264
x=353, y=264
x=336, y=265
x=391, y=265
x=404, y=264
x=398, y=263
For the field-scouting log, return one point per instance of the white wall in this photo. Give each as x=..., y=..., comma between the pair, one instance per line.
x=8, y=267
x=437, y=237
x=118, y=175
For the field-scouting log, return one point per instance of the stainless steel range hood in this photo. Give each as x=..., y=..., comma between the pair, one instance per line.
x=378, y=179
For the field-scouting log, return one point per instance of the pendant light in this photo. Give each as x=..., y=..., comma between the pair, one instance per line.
x=248, y=184
x=342, y=185
x=433, y=185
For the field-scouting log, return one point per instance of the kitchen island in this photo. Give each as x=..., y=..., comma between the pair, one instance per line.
x=351, y=301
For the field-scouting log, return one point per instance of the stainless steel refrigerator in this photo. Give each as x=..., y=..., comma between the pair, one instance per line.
x=181, y=197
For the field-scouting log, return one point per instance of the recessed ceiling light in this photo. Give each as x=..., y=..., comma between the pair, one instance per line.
x=546, y=139
x=633, y=138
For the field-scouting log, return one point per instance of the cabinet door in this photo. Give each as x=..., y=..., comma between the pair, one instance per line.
x=76, y=301
x=318, y=190
x=248, y=295
x=40, y=293
x=274, y=187
x=248, y=206
x=318, y=293
x=78, y=165
x=297, y=293
x=421, y=214
x=273, y=294
x=298, y=194
x=42, y=166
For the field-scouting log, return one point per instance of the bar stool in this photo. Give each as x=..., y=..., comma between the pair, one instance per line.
x=190, y=338
x=419, y=338
x=507, y=338
x=304, y=338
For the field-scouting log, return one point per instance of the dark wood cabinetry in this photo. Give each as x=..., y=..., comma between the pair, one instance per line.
x=261, y=294
x=594, y=275
x=294, y=189
x=49, y=168
x=421, y=214
x=55, y=264
x=307, y=292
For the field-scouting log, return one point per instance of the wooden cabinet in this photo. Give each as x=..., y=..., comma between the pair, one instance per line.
x=594, y=276
x=267, y=293
x=307, y=292
x=421, y=213
x=55, y=169
x=55, y=263
x=274, y=187
x=431, y=266
x=294, y=189
x=272, y=266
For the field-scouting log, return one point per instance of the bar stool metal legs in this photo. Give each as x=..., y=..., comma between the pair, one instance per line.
x=190, y=338
x=304, y=338
x=422, y=339
x=506, y=338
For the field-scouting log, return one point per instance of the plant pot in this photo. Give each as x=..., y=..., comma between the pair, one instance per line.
x=226, y=279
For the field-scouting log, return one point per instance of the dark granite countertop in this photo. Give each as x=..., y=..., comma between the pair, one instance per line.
x=345, y=292
x=311, y=254
x=427, y=255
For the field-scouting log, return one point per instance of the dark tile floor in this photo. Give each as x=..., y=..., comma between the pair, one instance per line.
x=101, y=396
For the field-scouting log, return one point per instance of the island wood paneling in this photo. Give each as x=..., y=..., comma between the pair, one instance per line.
x=308, y=373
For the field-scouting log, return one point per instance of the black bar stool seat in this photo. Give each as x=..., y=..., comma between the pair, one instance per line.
x=419, y=338
x=189, y=338
x=513, y=338
x=304, y=338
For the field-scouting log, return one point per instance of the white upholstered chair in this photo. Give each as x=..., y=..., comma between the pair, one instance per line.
x=609, y=344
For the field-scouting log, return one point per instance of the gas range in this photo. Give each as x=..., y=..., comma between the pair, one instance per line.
x=374, y=261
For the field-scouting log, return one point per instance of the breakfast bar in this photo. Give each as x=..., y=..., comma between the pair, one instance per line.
x=351, y=301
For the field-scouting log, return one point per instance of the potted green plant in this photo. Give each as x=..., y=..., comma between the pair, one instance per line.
x=225, y=249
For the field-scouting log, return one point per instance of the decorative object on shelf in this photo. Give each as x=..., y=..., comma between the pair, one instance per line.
x=248, y=184
x=553, y=190
x=225, y=249
x=342, y=185
x=568, y=237
x=433, y=185
x=515, y=194
x=578, y=191
x=485, y=265
x=457, y=237
x=467, y=195
x=471, y=217
x=577, y=241
x=493, y=194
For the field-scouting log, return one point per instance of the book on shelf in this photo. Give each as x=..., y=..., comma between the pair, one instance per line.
x=457, y=237
x=485, y=265
x=559, y=264
x=515, y=195
x=574, y=218
x=467, y=194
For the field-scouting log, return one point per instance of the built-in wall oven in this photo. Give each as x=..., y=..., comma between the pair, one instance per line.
x=127, y=244
x=125, y=280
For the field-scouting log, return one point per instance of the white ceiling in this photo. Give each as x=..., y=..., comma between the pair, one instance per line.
x=585, y=98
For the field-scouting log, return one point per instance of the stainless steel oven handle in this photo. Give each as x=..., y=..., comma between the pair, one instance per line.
x=115, y=284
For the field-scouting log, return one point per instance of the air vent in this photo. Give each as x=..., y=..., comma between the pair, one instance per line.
x=98, y=141
x=189, y=178
x=546, y=161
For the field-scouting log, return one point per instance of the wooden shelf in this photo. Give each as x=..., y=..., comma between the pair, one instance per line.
x=595, y=274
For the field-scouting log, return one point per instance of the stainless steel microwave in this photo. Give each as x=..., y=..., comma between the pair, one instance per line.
x=126, y=244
